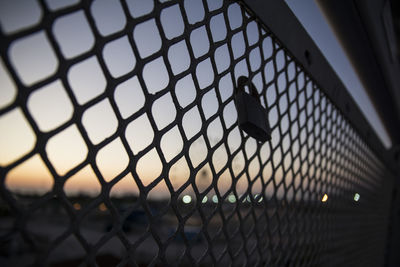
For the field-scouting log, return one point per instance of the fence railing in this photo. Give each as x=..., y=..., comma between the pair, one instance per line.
x=120, y=143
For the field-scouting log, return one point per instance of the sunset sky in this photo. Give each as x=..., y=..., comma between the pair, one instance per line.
x=33, y=59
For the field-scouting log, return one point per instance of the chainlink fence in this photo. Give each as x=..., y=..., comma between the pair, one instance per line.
x=120, y=144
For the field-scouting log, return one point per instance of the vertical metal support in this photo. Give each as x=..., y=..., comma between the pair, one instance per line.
x=393, y=241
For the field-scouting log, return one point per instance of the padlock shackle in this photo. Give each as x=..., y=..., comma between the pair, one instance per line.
x=242, y=82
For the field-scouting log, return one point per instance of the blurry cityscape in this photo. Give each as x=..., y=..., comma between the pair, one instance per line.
x=55, y=224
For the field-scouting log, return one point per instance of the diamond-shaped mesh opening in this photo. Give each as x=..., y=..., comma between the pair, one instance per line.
x=120, y=143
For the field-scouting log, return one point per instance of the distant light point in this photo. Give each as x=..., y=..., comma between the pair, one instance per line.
x=205, y=198
x=248, y=198
x=325, y=198
x=215, y=199
x=77, y=206
x=232, y=199
x=356, y=197
x=102, y=207
x=187, y=199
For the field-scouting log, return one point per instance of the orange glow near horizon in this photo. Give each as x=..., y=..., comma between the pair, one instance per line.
x=30, y=176
x=51, y=107
x=67, y=149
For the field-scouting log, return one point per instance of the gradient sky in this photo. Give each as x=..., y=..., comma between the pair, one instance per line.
x=34, y=60
x=51, y=107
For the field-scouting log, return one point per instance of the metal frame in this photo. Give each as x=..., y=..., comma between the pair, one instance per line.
x=281, y=20
x=366, y=31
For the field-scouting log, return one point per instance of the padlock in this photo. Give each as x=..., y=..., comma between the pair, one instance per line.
x=252, y=116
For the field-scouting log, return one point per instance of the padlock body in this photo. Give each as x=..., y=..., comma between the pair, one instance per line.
x=252, y=117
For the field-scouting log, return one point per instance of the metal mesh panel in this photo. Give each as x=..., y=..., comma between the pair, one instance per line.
x=120, y=145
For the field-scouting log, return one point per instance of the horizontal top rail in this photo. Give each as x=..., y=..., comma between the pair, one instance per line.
x=283, y=23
